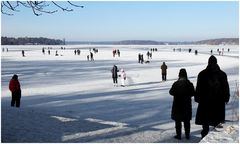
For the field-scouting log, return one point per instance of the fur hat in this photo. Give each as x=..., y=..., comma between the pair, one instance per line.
x=15, y=77
x=182, y=73
x=212, y=60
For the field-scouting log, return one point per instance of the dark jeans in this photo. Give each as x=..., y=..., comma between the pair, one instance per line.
x=16, y=96
x=164, y=77
x=115, y=80
x=178, y=126
x=205, y=130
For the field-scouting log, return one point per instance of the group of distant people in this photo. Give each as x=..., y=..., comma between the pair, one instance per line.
x=95, y=50
x=90, y=57
x=116, y=51
x=153, y=49
x=221, y=52
x=149, y=55
x=140, y=58
x=189, y=50
x=77, y=52
x=3, y=49
x=179, y=49
x=43, y=50
x=196, y=51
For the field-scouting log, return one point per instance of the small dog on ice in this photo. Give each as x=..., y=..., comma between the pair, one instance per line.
x=147, y=61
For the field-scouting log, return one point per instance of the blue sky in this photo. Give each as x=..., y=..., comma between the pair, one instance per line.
x=125, y=20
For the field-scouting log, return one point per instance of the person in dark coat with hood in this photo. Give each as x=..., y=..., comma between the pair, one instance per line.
x=15, y=88
x=182, y=91
x=115, y=75
x=212, y=93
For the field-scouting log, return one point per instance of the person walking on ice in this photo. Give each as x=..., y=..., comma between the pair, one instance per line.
x=91, y=56
x=23, y=53
x=123, y=77
x=182, y=91
x=115, y=75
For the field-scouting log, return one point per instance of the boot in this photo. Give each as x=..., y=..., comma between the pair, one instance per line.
x=205, y=130
x=187, y=135
x=178, y=130
x=187, y=129
x=177, y=137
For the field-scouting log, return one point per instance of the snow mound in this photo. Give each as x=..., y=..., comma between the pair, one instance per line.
x=228, y=134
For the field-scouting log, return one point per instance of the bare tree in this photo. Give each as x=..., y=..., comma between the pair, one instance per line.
x=38, y=7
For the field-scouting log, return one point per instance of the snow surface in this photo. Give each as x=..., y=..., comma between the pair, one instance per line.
x=228, y=134
x=69, y=99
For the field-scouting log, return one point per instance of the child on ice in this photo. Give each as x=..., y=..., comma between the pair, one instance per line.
x=123, y=77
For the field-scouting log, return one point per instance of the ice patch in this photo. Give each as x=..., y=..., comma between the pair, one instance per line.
x=63, y=119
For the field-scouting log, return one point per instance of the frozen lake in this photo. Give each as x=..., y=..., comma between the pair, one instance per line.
x=78, y=97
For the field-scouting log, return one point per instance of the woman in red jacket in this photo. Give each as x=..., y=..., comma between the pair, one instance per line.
x=15, y=88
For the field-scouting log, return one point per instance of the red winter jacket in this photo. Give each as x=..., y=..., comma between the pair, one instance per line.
x=14, y=85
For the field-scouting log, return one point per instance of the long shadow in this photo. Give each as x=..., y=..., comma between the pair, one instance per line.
x=37, y=99
x=109, y=109
x=120, y=110
x=145, y=124
x=26, y=125
x=145, y=83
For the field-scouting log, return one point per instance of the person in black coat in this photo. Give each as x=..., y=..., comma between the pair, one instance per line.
x=182, y=91
x=139, y=58
x=91, y=56
x=164, y=71
x=23, y=53
x=212, y=92
x=115, y=75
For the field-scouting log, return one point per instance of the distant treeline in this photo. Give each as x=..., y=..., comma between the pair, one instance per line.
x=30, y=41
x=47, y=41
x=127, y=42
x=221, y=41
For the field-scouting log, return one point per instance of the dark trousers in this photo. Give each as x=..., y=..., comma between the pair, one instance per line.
x=205, y=130
x=164, y=77
x=115, y=80
x=178, y=126
x=16, y=96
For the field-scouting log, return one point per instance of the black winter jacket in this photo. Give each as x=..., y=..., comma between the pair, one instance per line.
x=212, y=92
x=182, y=91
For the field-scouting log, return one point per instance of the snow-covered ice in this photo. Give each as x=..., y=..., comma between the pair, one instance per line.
x=228, y=134
x=69, y=99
